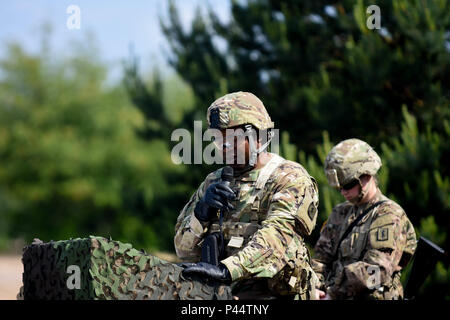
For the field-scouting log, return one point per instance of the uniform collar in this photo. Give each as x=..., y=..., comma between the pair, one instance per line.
x=250, y=175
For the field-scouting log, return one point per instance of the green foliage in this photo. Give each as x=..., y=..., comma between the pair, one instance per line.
x=418, y=172
x=304, y=61
x=419, y=181
x=72, y=164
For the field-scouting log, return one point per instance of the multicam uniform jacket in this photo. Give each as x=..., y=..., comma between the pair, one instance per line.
x=370, y=259
x=276, y=207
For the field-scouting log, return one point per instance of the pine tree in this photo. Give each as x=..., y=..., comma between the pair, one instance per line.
x=317, y=66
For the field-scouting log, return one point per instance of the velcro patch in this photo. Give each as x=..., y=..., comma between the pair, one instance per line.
x=382, y=237
x=312, y=211
x=383, y=234
x=307, y=209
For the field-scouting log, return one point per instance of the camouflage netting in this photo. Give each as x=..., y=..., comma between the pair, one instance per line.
x=108, y=270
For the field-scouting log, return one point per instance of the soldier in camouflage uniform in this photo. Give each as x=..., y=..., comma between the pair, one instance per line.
x=268, y=210
x=364, y=262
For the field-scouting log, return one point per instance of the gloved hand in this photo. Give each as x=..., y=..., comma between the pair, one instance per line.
x=210, y=271
x=216, y=198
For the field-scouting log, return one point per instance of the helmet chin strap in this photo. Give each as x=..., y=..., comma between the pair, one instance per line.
x=250, y=133
x=362, y=193
x=253, y=150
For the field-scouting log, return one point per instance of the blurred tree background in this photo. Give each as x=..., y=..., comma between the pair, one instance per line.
x=72, y=163
x=80, y=157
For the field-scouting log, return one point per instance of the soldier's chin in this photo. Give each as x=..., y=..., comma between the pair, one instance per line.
x=353, y=200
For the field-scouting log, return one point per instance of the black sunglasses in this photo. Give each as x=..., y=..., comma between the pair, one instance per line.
x=350, y=185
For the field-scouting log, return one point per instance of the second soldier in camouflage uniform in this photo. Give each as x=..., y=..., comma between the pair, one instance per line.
x=365, y=264
x=274, y=209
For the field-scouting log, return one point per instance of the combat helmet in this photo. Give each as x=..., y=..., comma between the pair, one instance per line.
x=241, y=108
x=238, y=108
x=350, y=159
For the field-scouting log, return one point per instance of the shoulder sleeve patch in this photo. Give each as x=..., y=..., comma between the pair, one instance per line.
x=307, y=207
x=383, y=234
x=382, y=231
x=382, y=237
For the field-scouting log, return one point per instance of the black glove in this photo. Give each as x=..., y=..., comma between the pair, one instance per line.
x=216, y=198
x=207, y=270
